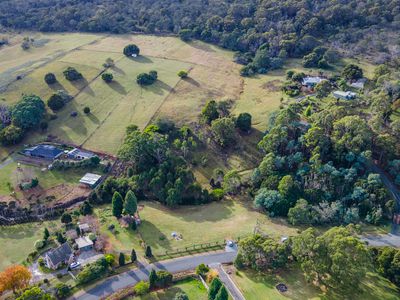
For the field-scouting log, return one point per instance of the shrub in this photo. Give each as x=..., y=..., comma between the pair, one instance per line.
x=110, y=259
x=202, y=269
x=121, y=259
x=164, y=279
x=145, y=79
x=11, y=135
x=181, y=296
x=62, y=290
x=92, y=271
x=107, y=77
x=50, y=78
x=131, y=49
x=55, y=102
x=39, y=244
x=243, y=122
x=183, y=74
x=153, y=74
x=86, y=110
x=71, y=74
x=142, y=288
x=148, y=252
x=217, y=194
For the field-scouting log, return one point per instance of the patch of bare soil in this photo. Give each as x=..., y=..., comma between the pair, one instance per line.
x=273, y=85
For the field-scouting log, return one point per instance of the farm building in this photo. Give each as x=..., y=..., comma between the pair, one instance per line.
x=84, y=228
x=311, y=81
x=344, y=95
x=84, y=243
x=61, y=255
x=49, y=152
x=80, y=154
x=90, y=179
x=359, y=84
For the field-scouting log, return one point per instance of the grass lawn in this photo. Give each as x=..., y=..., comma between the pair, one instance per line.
x=18, y=241
x=257, y=286
x=192, y=287
x=202, y=224
x=197, y=224
x=10, y=173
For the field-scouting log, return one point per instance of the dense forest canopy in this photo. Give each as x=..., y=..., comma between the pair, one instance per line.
x=291, y=28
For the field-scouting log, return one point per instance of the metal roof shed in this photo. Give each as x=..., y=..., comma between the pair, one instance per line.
x=90, y=179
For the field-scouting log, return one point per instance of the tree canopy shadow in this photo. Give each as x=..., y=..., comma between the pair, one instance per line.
x=192, y=81
x=93, y=118
x=148, y=229
x=57, y=86
x=118, y=70
x=83, y=86
x=141, y=59
x=116, y=86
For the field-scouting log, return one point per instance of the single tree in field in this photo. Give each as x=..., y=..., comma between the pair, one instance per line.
x=153, y=278
x=183, y=74
x=243, y=122
x=86, y=110
x=50, y=78
x=107, y=77
x=55, y=102
x=133, y=255
x=66, y=218
x=131, y=50
x=148, y=252
x=14, y=278
x=214, y=288
x=117, y=205
x=121, y=259
x=130, y=205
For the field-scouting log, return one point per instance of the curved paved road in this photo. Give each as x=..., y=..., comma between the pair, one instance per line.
x=130, y=278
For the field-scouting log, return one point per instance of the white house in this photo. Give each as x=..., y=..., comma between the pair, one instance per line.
x=311, y=81
x=344, y=95
x=84, y=243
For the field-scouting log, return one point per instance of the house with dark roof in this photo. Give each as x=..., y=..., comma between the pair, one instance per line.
x=48, y=152
x=61, y=255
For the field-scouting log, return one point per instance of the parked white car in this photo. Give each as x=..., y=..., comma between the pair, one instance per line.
x=75, y=265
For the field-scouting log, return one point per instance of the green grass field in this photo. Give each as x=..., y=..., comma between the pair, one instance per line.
x=257, y=286
x=14, y=174
x=192, y=287
x=114, y=106
x=197, y=224
x=18, y=241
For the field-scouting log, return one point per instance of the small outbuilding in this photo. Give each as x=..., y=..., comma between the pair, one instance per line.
x=311, y=81
x=90, y=179
x=79, y=154
x=344, y=95
x=84, y=227
x=48, y=152
x=84, y=243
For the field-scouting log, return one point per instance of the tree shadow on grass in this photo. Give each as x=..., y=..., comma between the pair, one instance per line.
x=93, y=118
x=116, y=86
x=83, y=86
x=118, y=70
x=57, y=86
x=153, y=236
x=159, y=87
x=192, y=81
x=141, y=59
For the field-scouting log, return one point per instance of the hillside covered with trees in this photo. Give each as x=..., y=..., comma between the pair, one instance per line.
x=289, y=28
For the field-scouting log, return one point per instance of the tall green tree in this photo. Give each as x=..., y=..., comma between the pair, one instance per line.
x=214, y=288
x=153, y=278
x=133, y=255
x=28, y=112
x=130, y=204
x=117, y=205
x=121, y=259
x=222, y=294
